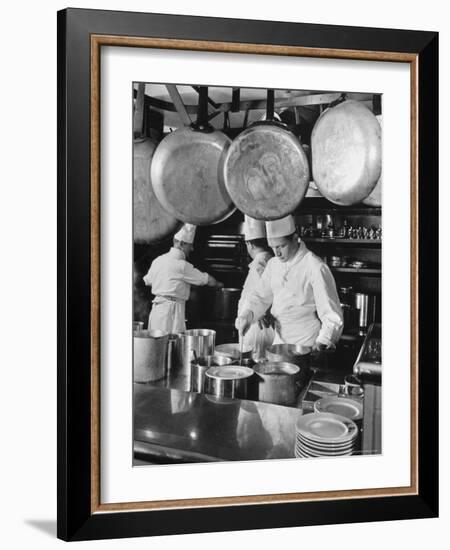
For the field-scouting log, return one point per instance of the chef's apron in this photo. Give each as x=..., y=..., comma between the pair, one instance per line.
x=167, y=314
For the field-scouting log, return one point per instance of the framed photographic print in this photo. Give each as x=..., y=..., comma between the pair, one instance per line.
x=247, y=255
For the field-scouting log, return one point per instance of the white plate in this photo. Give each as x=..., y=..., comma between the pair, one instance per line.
x=326, y=428
x=325, y=446
x=350, y=408
x=303, y=452
x=319, y=449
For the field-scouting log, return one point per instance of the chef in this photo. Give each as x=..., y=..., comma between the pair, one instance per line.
x=171, y=277
x=299, y=288
x=261, y=334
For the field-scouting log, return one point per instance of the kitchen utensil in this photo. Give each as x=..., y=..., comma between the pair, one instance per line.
x=138, y=325
x=346, y=152
x=233, y=351
x=266, y=169
x=365, y=305
x=230, y=381
x=149, y=355
x=277, y=382
x=201, y=365
x=151, y=223
x=187, y=171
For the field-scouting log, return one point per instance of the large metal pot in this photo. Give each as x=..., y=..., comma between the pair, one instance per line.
x=277, y=382
x=149, y=355
x=199, y=368
x=231, y=381
x=346, y=152
x=225, y=303
x=187, y=171
x=266, y=169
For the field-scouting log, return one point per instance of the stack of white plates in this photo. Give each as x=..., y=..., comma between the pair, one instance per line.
x=325, y=434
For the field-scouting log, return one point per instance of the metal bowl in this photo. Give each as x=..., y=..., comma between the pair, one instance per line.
x=233, y=351
x=292, y=353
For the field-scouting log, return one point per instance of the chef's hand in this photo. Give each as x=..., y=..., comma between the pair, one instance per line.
x=212, y=281
x=319, y=347
x=243, y=321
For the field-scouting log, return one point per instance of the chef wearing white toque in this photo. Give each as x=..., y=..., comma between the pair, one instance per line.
x=300, y=290
x=261, y=334
x=171, y=277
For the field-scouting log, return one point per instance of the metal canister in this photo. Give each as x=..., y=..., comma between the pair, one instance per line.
x=190, y=344
x=149, y=355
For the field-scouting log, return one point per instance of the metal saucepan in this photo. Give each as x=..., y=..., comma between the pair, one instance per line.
x=187, y=171
x=233, y=351
x=266, y=168
x=231, y=381
x=277, y=382
x=151, y=222
x=346, y=152
x=297, y=354
x=201, y=365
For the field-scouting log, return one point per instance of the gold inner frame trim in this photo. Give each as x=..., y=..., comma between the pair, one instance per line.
x=97, y=41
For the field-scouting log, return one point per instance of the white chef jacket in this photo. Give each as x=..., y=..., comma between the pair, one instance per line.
x=255, y=338
x=171, y=277
x=304, y=300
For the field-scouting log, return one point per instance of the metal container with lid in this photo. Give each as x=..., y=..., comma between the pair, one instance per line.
x=199, y=367
x=230, y=381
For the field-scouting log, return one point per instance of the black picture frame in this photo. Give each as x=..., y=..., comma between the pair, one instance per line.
x=77, y=515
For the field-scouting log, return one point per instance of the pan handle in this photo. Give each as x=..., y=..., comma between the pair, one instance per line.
x=202, y=123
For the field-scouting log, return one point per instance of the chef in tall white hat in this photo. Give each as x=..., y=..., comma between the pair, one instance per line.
x=299, y=289
x=171, y=277
x=261, y=334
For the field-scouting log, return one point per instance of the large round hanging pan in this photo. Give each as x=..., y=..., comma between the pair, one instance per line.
x=266, y=169
x=374, y=199
x=187, y=172
x=346, y=152
x=151, y=223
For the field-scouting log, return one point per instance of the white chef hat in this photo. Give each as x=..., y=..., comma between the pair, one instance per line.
x=186, y=233
x=254, y=229
x=280, y=228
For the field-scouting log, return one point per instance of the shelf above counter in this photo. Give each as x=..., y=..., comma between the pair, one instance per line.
x=337, y=240
x=361, y=271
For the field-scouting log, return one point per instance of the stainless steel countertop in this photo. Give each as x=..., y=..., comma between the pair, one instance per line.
x=177, y=426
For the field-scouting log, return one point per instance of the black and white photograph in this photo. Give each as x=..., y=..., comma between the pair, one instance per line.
x=257, y=273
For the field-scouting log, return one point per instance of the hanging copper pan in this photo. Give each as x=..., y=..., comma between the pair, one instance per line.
x=151, y=223
x=346, y=152
x=187, y=171
x=266, y=169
